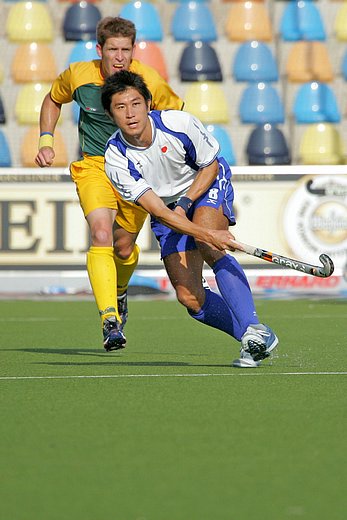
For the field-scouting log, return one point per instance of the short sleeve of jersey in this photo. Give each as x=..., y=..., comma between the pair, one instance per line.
x=61, y=91
x=123, y=175
x=79, y=73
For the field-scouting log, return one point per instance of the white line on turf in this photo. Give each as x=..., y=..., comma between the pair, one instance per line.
x=135, y=376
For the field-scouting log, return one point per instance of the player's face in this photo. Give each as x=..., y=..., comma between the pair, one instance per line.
x=116, y=55
x=130, y=113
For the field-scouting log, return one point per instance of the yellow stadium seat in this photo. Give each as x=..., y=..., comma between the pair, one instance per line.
x=321, y=144
x=248, y=21
x=341, y=23
x=309, y=61
x=207, y=101
x=29, y=21
x=33, y=62
x=29, y=101
x=29, y=148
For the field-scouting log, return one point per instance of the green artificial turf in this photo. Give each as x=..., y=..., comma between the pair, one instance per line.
x=166, y=429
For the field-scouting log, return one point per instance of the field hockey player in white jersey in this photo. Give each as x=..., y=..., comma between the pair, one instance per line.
x=168, y=163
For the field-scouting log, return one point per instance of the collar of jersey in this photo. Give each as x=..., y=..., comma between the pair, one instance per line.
x=139, y=148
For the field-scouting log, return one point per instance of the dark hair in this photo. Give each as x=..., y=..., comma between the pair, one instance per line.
x=110, y=27
x=120, y=82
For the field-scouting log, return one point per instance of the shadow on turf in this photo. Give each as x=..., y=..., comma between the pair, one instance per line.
x=110, y=360
x=93, y=352
x=124, y=363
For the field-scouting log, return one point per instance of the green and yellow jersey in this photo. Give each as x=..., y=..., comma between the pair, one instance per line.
x=82, y=82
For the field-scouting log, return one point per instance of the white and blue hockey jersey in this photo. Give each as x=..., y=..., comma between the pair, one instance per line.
x=180, y=147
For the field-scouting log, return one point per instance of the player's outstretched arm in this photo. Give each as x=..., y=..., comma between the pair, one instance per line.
x=49, y=115
x=203, y=180
x=220, y=239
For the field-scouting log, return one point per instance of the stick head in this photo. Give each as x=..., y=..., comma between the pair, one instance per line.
x=328, y=266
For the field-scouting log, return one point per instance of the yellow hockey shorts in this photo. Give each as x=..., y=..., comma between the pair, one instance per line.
x=95, y=190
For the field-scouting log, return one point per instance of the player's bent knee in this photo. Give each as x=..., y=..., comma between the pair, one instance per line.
x=123, y=251
x=101, y=237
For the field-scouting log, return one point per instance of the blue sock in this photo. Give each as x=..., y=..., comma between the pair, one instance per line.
x=234, y=288
x=216, y=313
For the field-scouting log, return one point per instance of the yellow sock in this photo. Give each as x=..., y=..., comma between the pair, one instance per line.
x=125, y=269
x=103, y=279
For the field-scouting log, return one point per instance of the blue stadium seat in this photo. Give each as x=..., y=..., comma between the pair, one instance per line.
x=267, y=146
x=75, y=112
x=193, y=21
x=83, y=51
x=315, y=103
x=146, y=18
x=80, y=21
x=260, y=103
x=344, y=65
x=2, y=113
x=226, y=147
x=301, y=20
x=254, y=61
x=5, y=154
x=199, y=62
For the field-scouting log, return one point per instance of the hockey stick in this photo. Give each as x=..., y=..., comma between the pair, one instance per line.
x=323, y=271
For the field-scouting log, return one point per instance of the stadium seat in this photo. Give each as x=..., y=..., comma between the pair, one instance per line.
x=226, y=147
x=248, y=21
x=254, y=61
x=151, y=54
x=146, y=18
x=207, y=101
x=301, y=20
x=193, y=21
x=344, y=65
x=29, y=101
x=80, y=21
x=5, y=154
x=321, y=143
x=187, y=1
x=75, y=112
x=199, y=62
x=340, y=24
x=77, y=1
x=29, y=22
x=83, y=51
x=314, y=103
x=2, y=113
x=29, y=148
x=309, y=61
x=260, y=103
x=267, y=146
x=33, y=62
